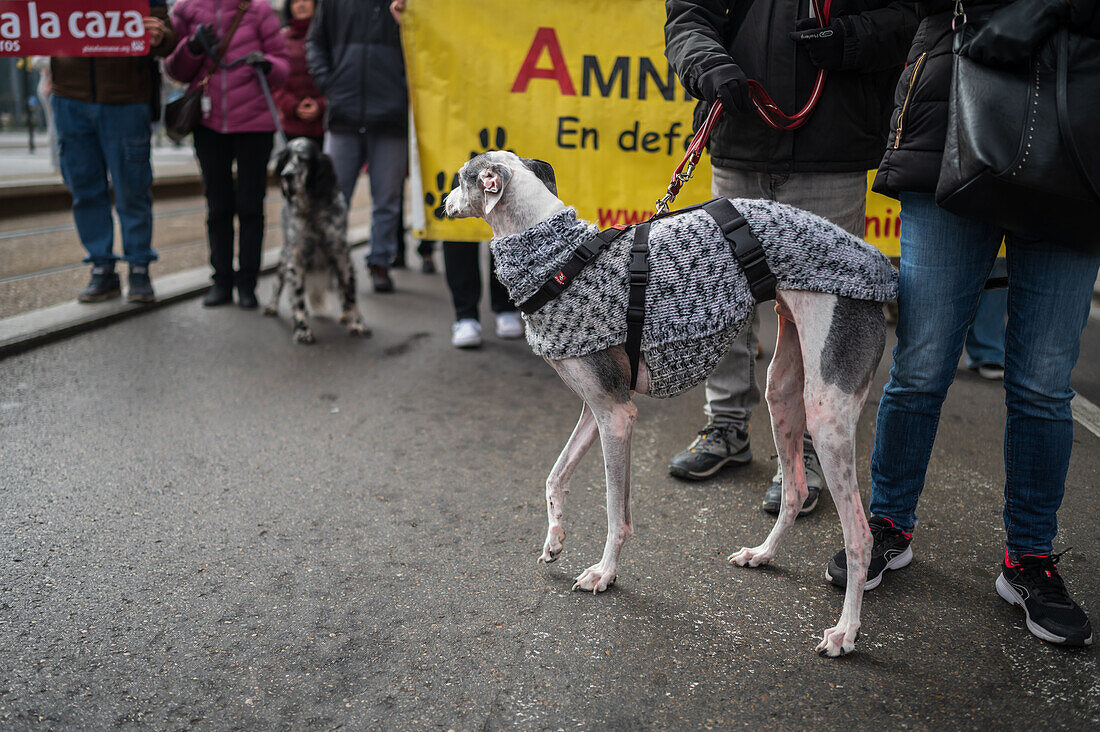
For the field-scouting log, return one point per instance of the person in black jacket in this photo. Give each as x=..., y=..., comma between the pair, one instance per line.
x=715, y=46
x=945, y=259
x=353, y=51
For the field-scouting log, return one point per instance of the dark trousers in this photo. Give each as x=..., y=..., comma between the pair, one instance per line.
x=462, y=263
x=244, y=199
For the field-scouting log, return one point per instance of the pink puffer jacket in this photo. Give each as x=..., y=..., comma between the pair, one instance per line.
x=237, y=101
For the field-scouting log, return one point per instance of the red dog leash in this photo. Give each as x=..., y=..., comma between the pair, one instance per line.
x=765, y=106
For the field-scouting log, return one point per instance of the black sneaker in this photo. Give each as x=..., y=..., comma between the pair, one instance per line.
x=890, y=550
x=714, y=448
x=103, y=286
x=815, y=481
x=380, y=278
x=1051, y=614
x=141, y=287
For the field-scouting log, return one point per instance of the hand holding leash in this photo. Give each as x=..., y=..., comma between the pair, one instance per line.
x=726, y=83
x=258, y=61
x=722, y=86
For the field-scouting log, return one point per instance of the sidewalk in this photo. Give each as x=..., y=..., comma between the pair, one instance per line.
x=37, y=327
x=28, y=183
x=42, y=252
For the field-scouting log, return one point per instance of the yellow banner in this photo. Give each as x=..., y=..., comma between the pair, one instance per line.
x=583, y=85
x=883, y=225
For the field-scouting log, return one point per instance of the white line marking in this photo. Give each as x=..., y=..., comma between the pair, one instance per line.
x=1087, y=414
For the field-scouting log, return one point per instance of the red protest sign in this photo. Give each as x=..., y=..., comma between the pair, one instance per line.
x=70, y=28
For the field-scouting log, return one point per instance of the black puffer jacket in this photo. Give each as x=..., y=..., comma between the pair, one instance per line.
x=354, y=55
x=918, y=125
x=847, y=130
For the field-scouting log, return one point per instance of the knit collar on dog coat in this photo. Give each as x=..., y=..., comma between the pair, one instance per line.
x=698, y=298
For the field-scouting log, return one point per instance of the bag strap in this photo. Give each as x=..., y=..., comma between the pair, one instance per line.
x=1060, y=95
x=219, y=53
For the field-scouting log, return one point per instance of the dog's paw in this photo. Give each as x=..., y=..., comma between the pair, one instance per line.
x=303, y=336
x=596, y=578
x=838, y=640
x=552, y=547
x=750, y=557
x=359, y=329
x=271, y=310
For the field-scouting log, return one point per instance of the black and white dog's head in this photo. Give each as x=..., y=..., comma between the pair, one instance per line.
x=492, y=177
x=305, y=173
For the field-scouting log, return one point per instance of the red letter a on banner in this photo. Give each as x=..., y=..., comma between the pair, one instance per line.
x=545, y=38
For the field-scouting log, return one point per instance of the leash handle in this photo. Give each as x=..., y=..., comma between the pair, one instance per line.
x=765, y=107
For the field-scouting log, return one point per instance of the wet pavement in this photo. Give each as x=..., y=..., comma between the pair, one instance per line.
x=211, y=527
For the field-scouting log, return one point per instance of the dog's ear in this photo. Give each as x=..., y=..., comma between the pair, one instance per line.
x=321, y=180
x=544, y=171
x=491, y=180
x=281, y=161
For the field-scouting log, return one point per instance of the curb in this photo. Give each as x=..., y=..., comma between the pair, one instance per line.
x=23, y=332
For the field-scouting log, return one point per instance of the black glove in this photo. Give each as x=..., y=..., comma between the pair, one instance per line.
x=1012, y=33
x=825, y=45
x=728, y=83
x=204, y=38
x=259, y=60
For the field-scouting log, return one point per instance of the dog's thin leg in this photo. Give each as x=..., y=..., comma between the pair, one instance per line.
x=602, y=381
x=840, y=353
x=784, y=395
x=297, y=277
x=832, y=422
x=616, y=424
x=557, y=483
x=280, y=280
x=349, y=316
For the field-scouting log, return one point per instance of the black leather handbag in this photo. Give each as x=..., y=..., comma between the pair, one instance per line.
x=183, y=114
x=1023, y=148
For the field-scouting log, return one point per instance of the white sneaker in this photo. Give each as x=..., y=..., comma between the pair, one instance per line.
x=466, y=333
x=509, y=325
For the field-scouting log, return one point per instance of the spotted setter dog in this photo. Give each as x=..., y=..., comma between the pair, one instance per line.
x=315, y=258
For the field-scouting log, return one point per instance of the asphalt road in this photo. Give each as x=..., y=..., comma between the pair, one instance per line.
x=210, y=527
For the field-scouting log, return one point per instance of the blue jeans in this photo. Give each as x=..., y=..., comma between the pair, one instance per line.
x=945, y=260
x=985, y=342
x=94, y=140
x=388, y=157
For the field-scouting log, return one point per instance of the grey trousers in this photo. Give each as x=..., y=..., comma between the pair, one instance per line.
x=388, y=157
x=731, y=390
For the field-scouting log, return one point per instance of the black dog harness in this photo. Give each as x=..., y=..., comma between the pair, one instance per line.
x=745, y=246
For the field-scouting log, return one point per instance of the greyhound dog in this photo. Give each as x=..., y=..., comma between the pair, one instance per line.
x=828, y=349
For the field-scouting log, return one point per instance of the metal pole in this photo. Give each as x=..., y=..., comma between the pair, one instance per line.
x=27, y=106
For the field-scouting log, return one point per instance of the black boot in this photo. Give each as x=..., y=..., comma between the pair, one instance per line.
x=246, y=291
x=103, y=286
x=246, y=298
x=221, y=293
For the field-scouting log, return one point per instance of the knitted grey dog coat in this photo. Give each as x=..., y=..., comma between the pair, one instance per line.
x=698, y=298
